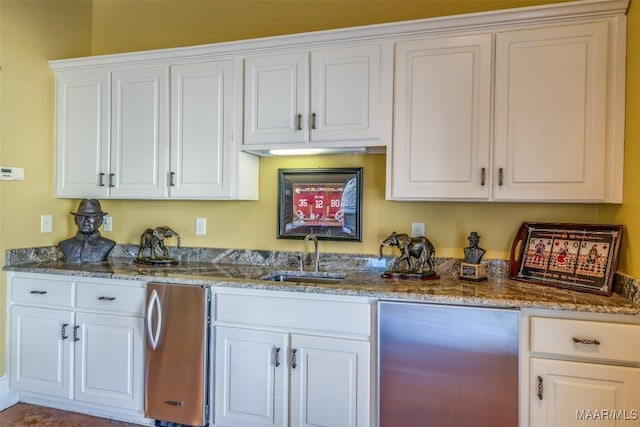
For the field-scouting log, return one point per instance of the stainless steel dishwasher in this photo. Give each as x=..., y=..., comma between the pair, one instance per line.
x=447, y=366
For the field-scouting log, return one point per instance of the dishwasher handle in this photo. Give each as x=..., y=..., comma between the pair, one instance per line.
x=154, y=304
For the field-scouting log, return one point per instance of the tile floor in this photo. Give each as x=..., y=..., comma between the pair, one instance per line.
x=25, y=415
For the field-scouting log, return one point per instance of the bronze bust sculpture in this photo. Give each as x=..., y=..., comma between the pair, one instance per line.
x=87, y=245
x=473, y=253
x=471, y=268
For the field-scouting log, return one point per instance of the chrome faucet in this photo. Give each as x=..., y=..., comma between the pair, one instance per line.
x=316, y=266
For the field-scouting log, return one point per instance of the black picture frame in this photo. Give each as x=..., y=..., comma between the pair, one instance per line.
x=581, y=257
x=324, y=202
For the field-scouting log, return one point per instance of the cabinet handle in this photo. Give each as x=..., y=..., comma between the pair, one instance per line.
x=63, y=332
x=483, y=176
x=313, y=120
x=111, y=175
x=299, y=118
x=294, y=359
x=171, y=175
x=277, y=357
x=540, y=387
x=500, y=177
x=38, y=292
x=75, y=333
x=585, y=341
x=106, y=298
x=101, y=179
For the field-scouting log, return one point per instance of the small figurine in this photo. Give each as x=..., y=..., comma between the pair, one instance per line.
x=471, y=268
x=87, y=245
x=418, y=252
x=153, y=239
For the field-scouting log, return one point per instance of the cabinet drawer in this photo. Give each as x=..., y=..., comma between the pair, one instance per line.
x=112, y=298
x=585, y=339
x=292, y=313
x=32, y=290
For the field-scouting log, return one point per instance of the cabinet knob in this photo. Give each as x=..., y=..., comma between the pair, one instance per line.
x=111, y=175
x=500, y=177
x=171, y=175
x=101, y=179
x=483, y=176
x=106, y=298
x=294, y=359
x=38, y=292
x=299, y=120
x=313, y=120
x=75, y=333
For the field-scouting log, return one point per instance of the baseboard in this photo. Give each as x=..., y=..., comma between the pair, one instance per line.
x=6, y=399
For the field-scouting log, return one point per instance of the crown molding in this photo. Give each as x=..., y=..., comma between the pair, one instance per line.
x=473, y=22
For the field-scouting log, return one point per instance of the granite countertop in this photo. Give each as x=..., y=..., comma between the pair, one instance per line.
x=498, y=291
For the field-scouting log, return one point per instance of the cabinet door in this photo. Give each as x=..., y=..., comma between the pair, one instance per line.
x=40, y=350
x=109, y=360
x=201, y=129
x=276, y=99
x=139, y=137
x=441, y=140
x=250, y=378
x=550, y=113
x=330, y=382
x=573, y=394
x=346, y=94
x=82, y=134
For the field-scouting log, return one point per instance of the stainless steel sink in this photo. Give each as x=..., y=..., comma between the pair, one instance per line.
x=304, y=277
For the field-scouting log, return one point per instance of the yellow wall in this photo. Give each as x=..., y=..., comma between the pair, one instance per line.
x=34, y=31
x=31, y=32
x=173, y=24
x=629, y=213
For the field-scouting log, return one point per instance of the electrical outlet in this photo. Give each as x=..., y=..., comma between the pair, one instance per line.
x=107, y=223
x=417, y=229
x=201, y=226
x=46, y=223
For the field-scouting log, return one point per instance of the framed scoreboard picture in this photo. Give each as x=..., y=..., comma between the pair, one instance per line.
x=324, y=202
x=582, y=257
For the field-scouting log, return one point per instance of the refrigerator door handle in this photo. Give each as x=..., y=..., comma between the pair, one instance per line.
x=154, y=302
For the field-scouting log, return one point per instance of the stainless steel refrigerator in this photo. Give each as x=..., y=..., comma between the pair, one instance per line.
x=176, y=385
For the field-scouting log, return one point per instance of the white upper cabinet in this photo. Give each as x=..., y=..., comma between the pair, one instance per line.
x=276, y=95
x=547, y=125
x=551, y=113
x=204, y=163
x=152, y=132
x=139, y=133
x=82, y=133
x=335, y=97
x=442, y=111
x=515, y=105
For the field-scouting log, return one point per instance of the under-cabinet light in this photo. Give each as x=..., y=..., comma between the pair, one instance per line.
x=308, y=151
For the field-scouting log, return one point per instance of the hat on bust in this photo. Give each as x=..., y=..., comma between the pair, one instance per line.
x=473, y=236
x=89, y=207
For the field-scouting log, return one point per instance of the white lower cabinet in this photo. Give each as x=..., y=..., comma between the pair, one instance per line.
x=107, y=352
x=78, y=344
x=40, y=353
x=583, y=371
x=573, y=394
x=286, y=368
